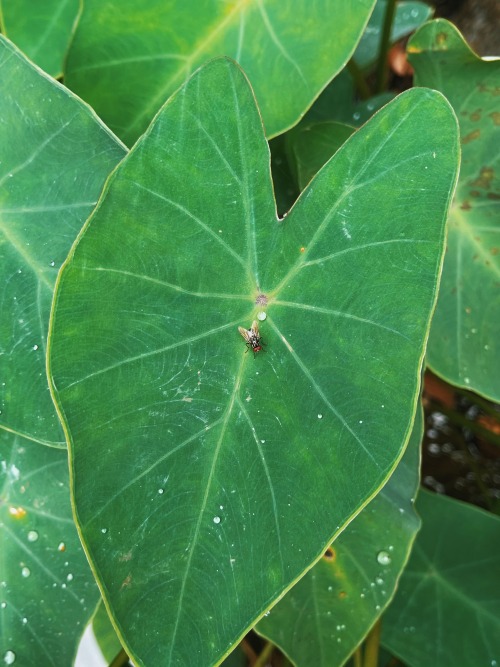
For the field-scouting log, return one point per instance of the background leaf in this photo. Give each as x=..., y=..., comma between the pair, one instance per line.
x=41, y=29
x=206, y=480
x=310, y=146
x=447, y=608
x=330, y=610
x=127, y=61
x=464, y=346
x=55, y=157
x=47, y=591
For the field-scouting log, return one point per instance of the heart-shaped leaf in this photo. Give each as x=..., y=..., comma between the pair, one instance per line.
x=464, y=345
x=451, y=583
x=331, y=609
x=55, y=155
x=208, y=477
x=47, y=190
x=126, y=63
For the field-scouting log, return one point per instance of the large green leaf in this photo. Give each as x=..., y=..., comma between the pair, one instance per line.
x=41, y=29
x=128, y=56
x=206, y=480
x=54, y=158
x=329, y=611
x=46, y=590
x=464, y=345
x=447, y=608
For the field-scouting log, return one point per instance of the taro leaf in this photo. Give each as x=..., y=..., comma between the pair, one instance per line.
x=446, y=611
x=338, y=103
x=55, y=156
x=310, y=146
x=464, y=345
x=408, y=17
x=47, y=591
x=41, y=29
x=330, y=610
x=207, y=479
x=127, y=57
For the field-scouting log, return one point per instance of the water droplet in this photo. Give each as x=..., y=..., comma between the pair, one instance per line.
x=69, y=577
x=104, y=531
x=9, y=657
x=26, y=572
x=221, y=507
x=25, y=620
x=160, y=491
x=52, y=263
x=383, y=558
x=216, y=519
x=3, y=605
x=261, y=315
x=379, y=581
x=32, y=536
x=263, y=442
x=320, y=416
x=35, y=347
x=61, y=546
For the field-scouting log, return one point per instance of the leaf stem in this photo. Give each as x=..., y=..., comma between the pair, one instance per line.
x=385, y=41
x=357, y=74
x=119, y=660
x=372, y=645
x=264, y=655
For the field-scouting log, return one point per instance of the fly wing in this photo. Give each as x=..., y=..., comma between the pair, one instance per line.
x=245, y=333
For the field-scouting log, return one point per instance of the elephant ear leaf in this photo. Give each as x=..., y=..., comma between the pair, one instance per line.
x=464, y=345
x=211, y=469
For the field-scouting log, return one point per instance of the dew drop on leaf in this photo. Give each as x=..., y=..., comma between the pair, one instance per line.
x=9, y=657
x=216, y=519
x=383, y=558
x=25, y=572
x=32, y=536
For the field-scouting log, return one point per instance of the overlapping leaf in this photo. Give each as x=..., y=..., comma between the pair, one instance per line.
x=128, y=57
x=55, y=156
x=47, y=592
x=41, y=29
x=464, y=345
x=331, y=609
x=206, y=480
x=451, y=583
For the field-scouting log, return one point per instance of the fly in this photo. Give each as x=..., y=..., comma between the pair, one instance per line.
x=252, y=338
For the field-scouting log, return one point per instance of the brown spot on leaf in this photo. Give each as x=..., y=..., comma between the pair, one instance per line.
x=330, y=554
x=485, y=178
x=465, y=206
x=493, y=195
x=475, y=134
x=495, y=117
x=495, y=251
x=441, y=39
x=476, y=115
